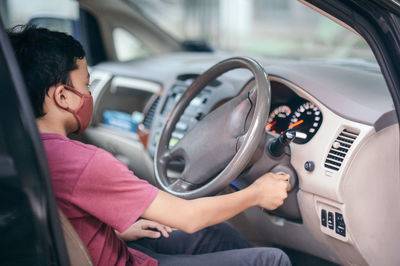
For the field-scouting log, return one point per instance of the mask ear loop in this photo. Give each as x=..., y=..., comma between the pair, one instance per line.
x=75, y=91
x=74, y=112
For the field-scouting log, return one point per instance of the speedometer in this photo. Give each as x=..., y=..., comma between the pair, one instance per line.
x=278, y=119
x=307, y=119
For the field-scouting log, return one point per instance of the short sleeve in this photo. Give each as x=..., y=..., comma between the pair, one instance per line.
x=108, y=190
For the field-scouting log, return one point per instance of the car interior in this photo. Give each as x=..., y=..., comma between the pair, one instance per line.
x=197, y=122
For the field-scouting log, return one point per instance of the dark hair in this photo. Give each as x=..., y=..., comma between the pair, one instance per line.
x=45, y=58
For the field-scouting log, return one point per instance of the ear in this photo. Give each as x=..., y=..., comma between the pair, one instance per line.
x=60, y=96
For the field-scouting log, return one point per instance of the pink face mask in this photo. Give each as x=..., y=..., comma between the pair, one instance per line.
x=84, y=112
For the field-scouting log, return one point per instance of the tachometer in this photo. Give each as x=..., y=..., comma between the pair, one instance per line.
x=278, y=119
x=307, y=119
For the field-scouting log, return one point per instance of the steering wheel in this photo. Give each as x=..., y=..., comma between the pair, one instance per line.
x=219, y=147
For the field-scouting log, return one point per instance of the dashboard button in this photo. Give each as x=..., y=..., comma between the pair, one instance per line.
x=323, y=217
x=330, y=220
x=309, y=166
x=340, y=225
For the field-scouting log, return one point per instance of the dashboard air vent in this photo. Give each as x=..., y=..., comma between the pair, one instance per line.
x=191, y=77
x=339, y=149
x=148, y=119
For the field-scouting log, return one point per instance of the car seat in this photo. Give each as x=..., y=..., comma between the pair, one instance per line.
x=77, y=251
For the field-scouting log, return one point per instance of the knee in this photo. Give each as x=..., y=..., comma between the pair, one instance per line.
x=282, y=258
x=225, y=237
x=273, y=256
x=226, y=232
x=222, y=230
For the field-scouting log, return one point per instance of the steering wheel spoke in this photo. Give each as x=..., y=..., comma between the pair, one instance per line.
x=181, y=185
x=166, y=157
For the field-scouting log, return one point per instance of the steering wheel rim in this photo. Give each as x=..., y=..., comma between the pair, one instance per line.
x=251, y=138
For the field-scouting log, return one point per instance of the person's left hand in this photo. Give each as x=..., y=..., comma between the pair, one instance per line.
x=144, y=228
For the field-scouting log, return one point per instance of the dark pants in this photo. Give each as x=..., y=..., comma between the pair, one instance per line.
x=216, y=245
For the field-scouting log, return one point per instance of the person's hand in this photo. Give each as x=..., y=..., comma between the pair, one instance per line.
x=144, y=228
x=271, y=190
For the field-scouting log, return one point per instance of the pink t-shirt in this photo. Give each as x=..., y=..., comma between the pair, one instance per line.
x=98, y=194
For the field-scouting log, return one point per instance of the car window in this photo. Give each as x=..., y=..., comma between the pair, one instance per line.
x=274, y=28
x=16, y=12
x=60, y=15
x=63, y=15
x=127, y=46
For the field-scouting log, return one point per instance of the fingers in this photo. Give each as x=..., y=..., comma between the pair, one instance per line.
x=168, y=229
x=164, y=230
x=284, y=177
x=279, y=198
x=274, y=190
x=147, y=233
x=288, y=186
x=137, y=234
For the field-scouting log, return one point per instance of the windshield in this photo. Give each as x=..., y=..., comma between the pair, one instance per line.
x=274, y=28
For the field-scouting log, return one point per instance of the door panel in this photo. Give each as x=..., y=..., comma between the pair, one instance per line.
x=29, y=227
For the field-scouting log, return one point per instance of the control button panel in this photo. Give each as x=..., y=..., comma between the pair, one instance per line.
x=332, y=218
x=340, y=225
x=332, y=223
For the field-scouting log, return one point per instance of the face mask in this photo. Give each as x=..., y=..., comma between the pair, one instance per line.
x=84, y=112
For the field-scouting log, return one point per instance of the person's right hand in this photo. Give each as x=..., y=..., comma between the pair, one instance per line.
x=271, y=190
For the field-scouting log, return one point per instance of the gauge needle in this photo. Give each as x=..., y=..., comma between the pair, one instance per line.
x=269, y=126
x=296, y=124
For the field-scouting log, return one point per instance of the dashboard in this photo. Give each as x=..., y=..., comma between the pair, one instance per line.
x=344, y=114
x=288, y=110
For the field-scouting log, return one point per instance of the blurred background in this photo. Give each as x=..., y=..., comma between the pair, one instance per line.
x=274, y=28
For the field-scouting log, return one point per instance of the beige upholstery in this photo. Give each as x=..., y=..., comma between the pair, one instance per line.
x=77, y=251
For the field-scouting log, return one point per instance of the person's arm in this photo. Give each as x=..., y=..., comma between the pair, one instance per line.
x=269, y=192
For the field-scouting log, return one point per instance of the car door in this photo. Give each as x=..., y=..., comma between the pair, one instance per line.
x=29, y=227
x=378, y=22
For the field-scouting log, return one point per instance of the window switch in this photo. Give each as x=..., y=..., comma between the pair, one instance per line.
x=340, y=225
x=330, y=220
x=323, y=217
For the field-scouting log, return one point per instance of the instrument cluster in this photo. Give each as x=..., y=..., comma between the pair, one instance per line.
x=302, y=116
